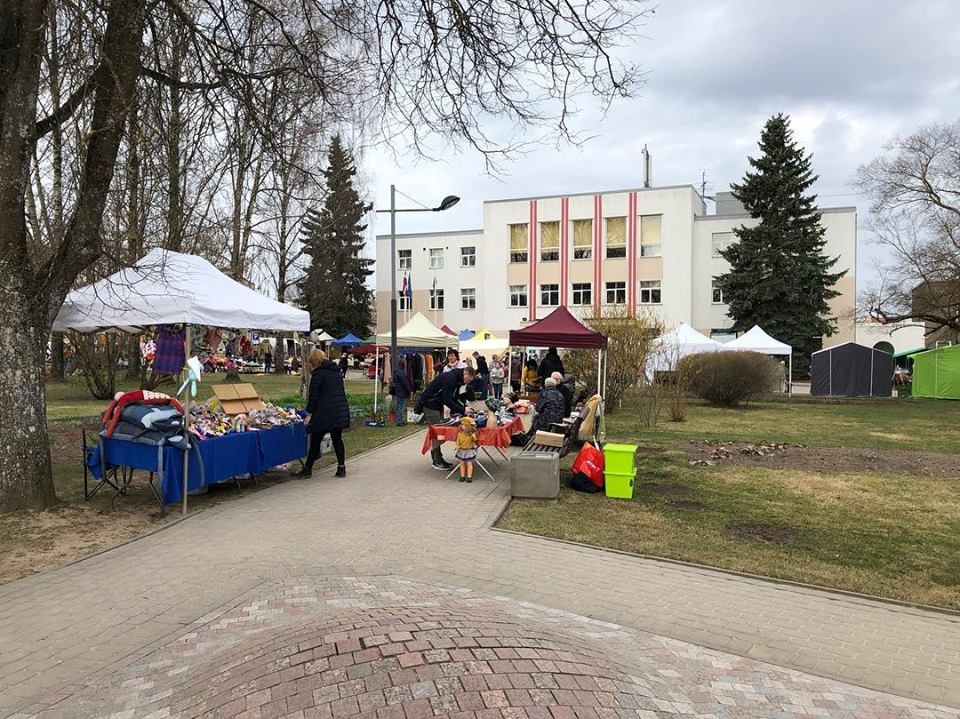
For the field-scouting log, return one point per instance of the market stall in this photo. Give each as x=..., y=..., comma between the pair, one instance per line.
x=668, y=349
x=850, y=369
x=936, y=373
x=756, y=340
x=174, y=292
x=562, y=329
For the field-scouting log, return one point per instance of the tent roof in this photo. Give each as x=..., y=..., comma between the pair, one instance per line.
x=322, y=336
x=685, y=336
x=419, y=332
x=756, y=340
x=466, y=334
x=167, y=287
x=558, y=329
x=449, y=331
x=348, y=340
x=851, y=345
x=484, y=341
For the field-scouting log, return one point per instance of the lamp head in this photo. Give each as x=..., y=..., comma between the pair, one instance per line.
x=446, y=203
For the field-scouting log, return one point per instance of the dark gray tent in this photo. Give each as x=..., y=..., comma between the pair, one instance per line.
x=850, y=369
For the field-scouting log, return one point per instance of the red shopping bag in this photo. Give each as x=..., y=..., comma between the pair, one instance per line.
x=589, y=463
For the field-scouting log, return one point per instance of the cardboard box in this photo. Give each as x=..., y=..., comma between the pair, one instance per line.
x=237, y=398
x=548, y=439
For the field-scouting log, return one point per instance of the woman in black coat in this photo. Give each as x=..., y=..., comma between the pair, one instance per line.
x=327, y=411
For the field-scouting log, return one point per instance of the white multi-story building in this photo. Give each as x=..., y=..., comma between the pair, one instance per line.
x=650, y=249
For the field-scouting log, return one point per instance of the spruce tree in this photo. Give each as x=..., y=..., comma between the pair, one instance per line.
x=779, y=276
x=334, y=288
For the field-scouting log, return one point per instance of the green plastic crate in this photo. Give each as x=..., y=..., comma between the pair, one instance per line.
x=618, y=458
x=618, y=485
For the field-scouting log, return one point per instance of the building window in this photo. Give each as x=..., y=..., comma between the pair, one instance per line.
x=468, y=299
x=405, y=303
x=582, y=293
x=717, y=295
x=616, y=237
x=720, y=242
x=519, y=242
x=436, y=258
x=650, y=293
x=468, y=256
x=518, y=295
x=549, y=241
x=436, y=299
x=651, y=241
x=582, y=240
x=549, y=295
x=405, y=259
x=616, y=293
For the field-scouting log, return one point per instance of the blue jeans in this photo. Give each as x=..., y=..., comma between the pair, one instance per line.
x=498, y=390
x=400, y=409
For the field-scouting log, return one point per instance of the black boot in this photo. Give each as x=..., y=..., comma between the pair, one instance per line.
x=437, y=458
x=341, y=471
x=303, y=473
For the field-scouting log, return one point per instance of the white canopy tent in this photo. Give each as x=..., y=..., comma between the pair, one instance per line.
x=484, y=342
x=420, y=332
x=680, y=342
x=167, y=287
x=756, y=340
x=172, y=288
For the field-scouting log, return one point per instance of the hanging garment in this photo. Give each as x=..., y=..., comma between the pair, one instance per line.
x=213, y=338
x=170, y=355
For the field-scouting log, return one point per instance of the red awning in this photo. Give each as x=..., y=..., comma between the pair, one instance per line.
x=558, y=329
x=448, y=331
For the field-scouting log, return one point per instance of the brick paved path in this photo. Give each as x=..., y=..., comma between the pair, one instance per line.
x=394, y=515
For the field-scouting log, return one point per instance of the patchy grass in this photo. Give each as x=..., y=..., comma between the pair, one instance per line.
x=31, y=541
x=886, y=534
x=919, y=424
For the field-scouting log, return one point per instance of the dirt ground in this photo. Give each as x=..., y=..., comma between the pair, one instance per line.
x=825, y=459
x=33, y=541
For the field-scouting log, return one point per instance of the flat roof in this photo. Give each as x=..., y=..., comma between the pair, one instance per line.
x=598, y=192
x=747, y=215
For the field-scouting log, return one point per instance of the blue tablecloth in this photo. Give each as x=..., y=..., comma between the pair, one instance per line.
x=231, y=455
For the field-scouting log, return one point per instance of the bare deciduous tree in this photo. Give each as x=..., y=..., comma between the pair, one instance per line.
x=915, y=193
x=439, y=68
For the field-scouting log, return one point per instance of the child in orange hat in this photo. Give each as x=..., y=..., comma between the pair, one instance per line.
x=467, y=448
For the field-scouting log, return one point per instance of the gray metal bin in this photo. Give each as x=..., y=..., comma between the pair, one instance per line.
x=535, y=474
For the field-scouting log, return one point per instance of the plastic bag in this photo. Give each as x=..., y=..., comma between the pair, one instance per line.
x=589, y=463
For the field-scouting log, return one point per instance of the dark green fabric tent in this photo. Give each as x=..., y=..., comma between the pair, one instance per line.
x=936, y=373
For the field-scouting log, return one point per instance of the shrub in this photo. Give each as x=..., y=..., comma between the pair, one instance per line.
x=629, y=340
x=729, y=378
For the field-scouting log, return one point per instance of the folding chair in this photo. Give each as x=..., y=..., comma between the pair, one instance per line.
x=108, y=477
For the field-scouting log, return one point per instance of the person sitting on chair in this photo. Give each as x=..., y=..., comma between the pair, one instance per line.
x=549, y=408
x=565, y=390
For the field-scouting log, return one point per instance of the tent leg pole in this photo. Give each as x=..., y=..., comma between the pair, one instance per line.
x=790, y=376
x=599, y=369
x=186, y=425
x=376, y=377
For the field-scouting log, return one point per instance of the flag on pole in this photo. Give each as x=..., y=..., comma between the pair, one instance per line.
x=409, y=286
x=434, y=283
x=403, y=287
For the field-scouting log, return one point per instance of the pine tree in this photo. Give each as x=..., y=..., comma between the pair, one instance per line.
x=334, y=288
x=779, y=276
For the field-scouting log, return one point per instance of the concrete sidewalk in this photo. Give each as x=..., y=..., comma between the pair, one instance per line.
x=393, y=515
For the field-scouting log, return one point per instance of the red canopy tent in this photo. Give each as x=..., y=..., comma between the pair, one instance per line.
x=558, y=329
x=562, y=329
x=448, y=331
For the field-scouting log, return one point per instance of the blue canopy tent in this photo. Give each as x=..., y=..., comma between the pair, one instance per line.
x=466, y=334
x=348, y=340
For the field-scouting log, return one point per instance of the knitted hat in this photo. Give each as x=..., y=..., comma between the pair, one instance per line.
x=550, y=382
x=557, y=376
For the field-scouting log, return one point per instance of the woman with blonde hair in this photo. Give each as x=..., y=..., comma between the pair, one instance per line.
x=327, y=411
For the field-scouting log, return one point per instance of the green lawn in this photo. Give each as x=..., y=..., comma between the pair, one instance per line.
x=893, y=535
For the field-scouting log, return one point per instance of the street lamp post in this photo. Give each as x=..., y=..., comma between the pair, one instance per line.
x=445, y=204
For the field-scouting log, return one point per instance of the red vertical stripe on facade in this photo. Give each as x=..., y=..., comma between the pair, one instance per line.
x=597, y=252
x=632, y=254
x=532, y=258
x=564, y=249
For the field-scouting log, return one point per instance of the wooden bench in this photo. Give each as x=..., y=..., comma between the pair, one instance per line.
x=570, y=433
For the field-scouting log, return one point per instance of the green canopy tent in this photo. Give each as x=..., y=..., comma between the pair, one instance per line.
x=936, y=373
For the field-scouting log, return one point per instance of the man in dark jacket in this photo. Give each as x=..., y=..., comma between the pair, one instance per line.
x=551, y=363
x=327, y=411
x=443, y=391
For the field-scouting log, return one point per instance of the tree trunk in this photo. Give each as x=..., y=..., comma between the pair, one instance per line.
x=25, y=473
x=56, y=356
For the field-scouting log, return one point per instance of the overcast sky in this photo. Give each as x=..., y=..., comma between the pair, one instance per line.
x=850, y=73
